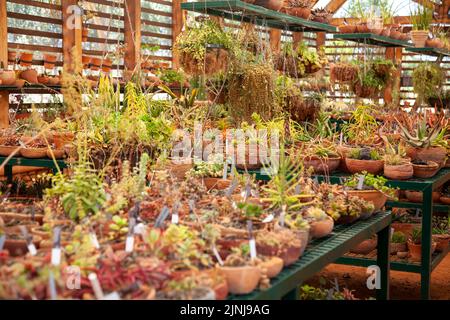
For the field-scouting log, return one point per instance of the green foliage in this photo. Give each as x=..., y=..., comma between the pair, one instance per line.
x=80, y=194
x=372, y=182
x=428, y=78
x=398, y=237
x=423, y=136
x=250, y=210
x=421, y=17
x=416, y=236
x=172, y=76
x=197, y=37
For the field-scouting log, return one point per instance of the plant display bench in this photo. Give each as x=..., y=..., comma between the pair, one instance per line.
x=322, y=252
x=244, y=12
x=429, y=262
x=25, y=162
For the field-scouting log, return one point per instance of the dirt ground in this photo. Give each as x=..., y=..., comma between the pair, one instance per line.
x=404, y=285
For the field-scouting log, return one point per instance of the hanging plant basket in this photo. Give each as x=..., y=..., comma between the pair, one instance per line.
x=216, y=60
x=364, y=91
x=343, y=72
x=302, y=109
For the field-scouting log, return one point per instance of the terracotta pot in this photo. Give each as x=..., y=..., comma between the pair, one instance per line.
x=19, y=247
x=19, y=83
x=299, y=12
x=377, y=31
x=54, y=81
x=436, y=154
x=216, y=183
x=57, y=153
x=419, y=38
x=270, y=4
x=8, y=78
x=398, y=172
x=241, y=280
x=347, y=28
x=107, y=65
x=417, y=196
x=12, y=57
x=398, y=247
x=396, y=34
x=86, y=60
x=221, y=290
x=273, y=266
x=25, y=218
x=434, y=43
x=226, y=244
x=425, y=171
x=371, y=166
x=445, y=200
x=29, y=75
x=415, y=250
x=441, y=241
x=291, y=254
x=362, y=27
x=7, y=150
x=376, y=197
x=386, y=32
x=322, y=165
x=365, y=247
x=320, y=229
x=96, y=63
x=34, y=153
x=49, y=61
x=405, y=228
x=43, y=80
x=60, y=139
x=26, y=59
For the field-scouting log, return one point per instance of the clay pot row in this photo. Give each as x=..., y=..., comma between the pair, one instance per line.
x=26, y=59
x=322, y=165
x=95, y=63
x=32, y=153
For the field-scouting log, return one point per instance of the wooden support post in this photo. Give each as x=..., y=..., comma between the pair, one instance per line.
x=395, y=55
x=320, y=40
x=132, y=34
x=275, y=40
x=71, y=28
x=297, y=37
x=177, y=27
x=4, y=96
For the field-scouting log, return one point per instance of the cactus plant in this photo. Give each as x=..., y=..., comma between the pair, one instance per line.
x=422, y=136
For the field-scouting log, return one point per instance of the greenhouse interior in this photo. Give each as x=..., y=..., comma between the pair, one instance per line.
x=224, y=150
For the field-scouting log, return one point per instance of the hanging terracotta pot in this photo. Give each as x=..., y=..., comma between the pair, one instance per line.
x=362, y=27
x=96, y=63
x=29, y=75
x=106, y=65
x=347, y=28
x=12, y=57
x=49, y=61
x=270, y=4
x=7, y=77
x=86, y=61
x=26, y=59
x=43, y=79
x=84, y=34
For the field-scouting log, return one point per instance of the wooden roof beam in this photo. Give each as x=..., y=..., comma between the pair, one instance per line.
x=334, y=5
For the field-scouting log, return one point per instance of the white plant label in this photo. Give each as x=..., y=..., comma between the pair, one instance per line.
x=225, y=170
x=341, y=138
x=217, y=255
x=52, y=286
x=94, y=240
x=268, y=219
x=96, y=286
x=112, y=296
x=175, y=218
x=252, y=244
x=2, y=241
x=56, y=256
x=32, y=249
x=129, y=244
x=360, y=183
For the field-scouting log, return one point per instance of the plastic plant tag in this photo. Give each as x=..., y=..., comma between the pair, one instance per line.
x=231, y=188
x=141, y=229
x=33, y=213
x=175, y=217
x=316, y=180
x=30, y=245
x=341, y=180
x=234, y=205
x=282, y=215
x=94, y=240
x=56, y=256
x=225, y=170
x=360, y=182
x=52, y=286
x=268, y=219
x=129, y=244
x=191, y=206
x=2, y=241
x=417, y=212
x=162, y=216
x=250, y=229
x=217, y=255
x=96, y=286
x=252, y=244
x=297, y=189
x=341, y=138
x=57, y=237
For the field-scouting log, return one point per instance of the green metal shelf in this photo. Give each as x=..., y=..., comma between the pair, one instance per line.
x=245, y=12
x=372, y=39
x=395, y=265
x=414, y=205
x=430, y=51
x=322, y=252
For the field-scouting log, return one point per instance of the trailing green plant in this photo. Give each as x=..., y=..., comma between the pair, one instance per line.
x=170, y=76
x=428, y=78
x=364, y=154
x=371, y=182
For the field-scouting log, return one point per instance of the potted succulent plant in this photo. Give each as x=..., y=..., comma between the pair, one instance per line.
x=415, y=245
x=396, y=167
x=441, y=233
x=421, y=19
x=364, y=159
x=426, y=143
x=398, y=242
x=321, y=223
x=204, y=48
x=211, y=172
x=298, y=8
x=282, y=243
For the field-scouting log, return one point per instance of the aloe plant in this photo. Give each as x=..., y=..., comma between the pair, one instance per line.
x=422, y=136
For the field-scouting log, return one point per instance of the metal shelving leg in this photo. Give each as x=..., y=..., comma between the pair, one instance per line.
x=427, y=214
x=9, y=173
x=383, y=262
